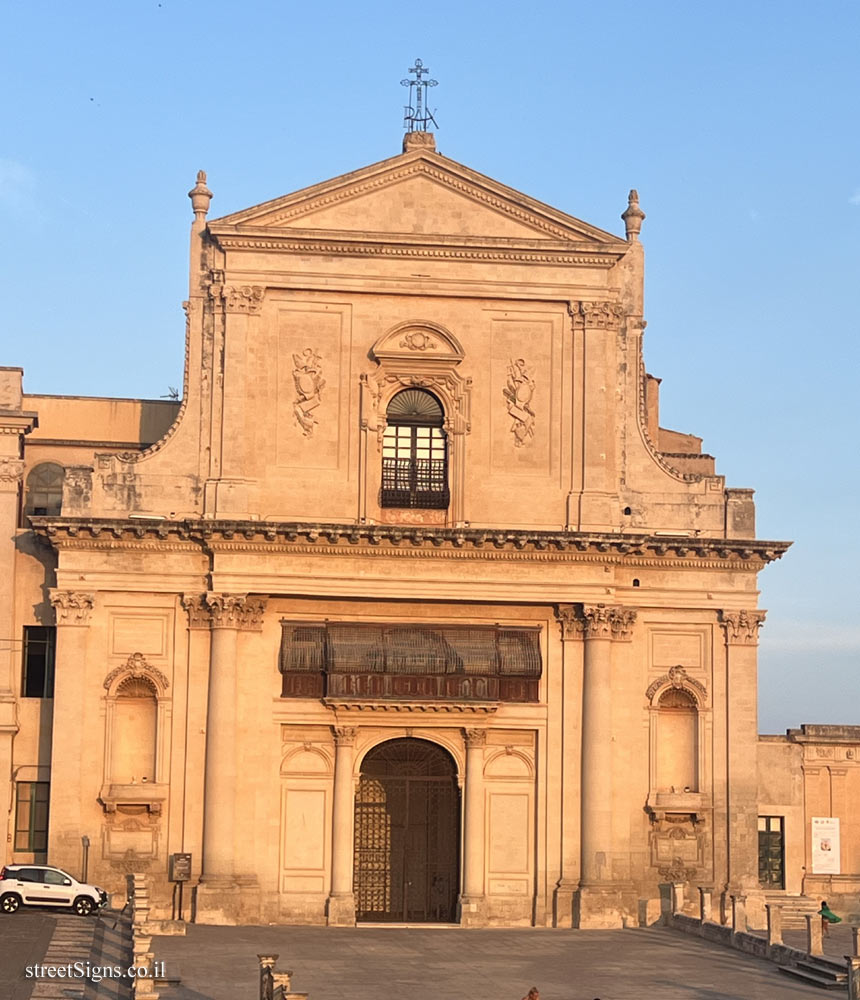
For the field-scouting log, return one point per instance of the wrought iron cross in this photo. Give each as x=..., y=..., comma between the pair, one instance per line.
x=416, y=115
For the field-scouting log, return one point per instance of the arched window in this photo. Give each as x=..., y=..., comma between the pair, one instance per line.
x=415, y=452
x=44, y=496
x=677, y=742
x=134, y=732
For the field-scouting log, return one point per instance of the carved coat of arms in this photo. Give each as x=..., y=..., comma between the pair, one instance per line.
x=307, y=376
x=518, y=392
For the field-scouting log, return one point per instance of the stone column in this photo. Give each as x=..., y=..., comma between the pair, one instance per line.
x=741, y=637
x=341, y=902
x=472, y=899
x=68, y=791
x=739, y=914
x=599, y=902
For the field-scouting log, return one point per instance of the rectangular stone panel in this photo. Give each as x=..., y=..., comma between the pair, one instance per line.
x=312, y=388
x=304, y=829
x=303, y=883
x=669, y=649
x=524, y=397
x=130, y=633
x=508, y=887
x=509, y=832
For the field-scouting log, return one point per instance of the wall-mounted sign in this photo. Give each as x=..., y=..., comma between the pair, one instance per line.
x=825, y=845
x=179, y=868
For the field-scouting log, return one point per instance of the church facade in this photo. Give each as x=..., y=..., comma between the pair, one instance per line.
x=410, y=610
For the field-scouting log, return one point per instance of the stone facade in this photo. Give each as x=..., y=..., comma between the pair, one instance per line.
x=254, y=590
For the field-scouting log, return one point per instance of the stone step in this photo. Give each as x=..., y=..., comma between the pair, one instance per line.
x=825, y=973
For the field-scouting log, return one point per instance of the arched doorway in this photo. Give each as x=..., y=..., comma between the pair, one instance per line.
x=407, y=830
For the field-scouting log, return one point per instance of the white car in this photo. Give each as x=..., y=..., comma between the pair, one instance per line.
x=39, y=885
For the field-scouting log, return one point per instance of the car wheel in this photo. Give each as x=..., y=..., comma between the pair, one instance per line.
x=83, y=906
x=9, y=902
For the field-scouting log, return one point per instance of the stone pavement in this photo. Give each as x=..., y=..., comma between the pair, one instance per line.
x=374, y=963
x=24, y=939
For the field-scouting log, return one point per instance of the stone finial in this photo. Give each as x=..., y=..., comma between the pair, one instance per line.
x=633, y=216
x=419, y=142
x=200, y=196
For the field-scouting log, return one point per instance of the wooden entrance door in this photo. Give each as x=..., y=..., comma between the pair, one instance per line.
x=771, y=852
x=407, y=821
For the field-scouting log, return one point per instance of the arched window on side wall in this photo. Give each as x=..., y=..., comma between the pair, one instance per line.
x=44, y=493
x=415, y=452
x=677, y=742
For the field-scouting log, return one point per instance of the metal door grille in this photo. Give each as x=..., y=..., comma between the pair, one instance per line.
x=771, y=852
x=407, y=834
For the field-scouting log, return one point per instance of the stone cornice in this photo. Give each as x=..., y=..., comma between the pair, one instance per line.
x=425, y=707
x=408, y=541
x=407, y=247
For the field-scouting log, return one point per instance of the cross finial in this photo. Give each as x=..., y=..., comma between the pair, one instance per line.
x=416, y=115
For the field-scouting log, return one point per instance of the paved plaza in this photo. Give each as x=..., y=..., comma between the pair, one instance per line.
x=372, y=963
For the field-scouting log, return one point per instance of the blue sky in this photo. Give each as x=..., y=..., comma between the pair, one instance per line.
x=737, y=122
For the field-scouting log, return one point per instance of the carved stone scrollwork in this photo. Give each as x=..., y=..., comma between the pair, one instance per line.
x=418, y=340
x=677, y=871
x=571, y=620
x=677, y=677
x=72, y=607
x=518, y=392
x=136, y=666
x=11, y=470
x=198, y=611
x=252, y=613
x=741, y=627
x=307, y=376
x=344, y=736
x=243, y=299
x=475, y=737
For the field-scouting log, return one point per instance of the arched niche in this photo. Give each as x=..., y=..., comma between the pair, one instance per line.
x=676, y=722
x=137, y=727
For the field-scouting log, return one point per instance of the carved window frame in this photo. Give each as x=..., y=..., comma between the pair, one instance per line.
x=417, y=354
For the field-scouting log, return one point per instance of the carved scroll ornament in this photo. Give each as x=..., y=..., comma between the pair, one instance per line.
x=72, y=607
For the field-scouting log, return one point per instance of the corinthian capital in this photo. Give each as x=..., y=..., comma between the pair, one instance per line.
x=601, y=315
x=741, y=627
x=344, y=736
x=475, y=737
x=243, y=299
x=598, y=621
x=571, y=620
x=621, y=622
x=199, y=615
x=236, y=611
x=72, y=607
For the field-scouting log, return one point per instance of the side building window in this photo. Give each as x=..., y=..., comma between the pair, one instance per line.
x=415, y=452
x=38, y=661
x=31, y=815
x=44, y=493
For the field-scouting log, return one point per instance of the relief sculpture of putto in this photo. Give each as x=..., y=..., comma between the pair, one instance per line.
x=518, y=392
x=307, y=375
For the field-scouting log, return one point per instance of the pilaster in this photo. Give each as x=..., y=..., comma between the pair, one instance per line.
x=73, y=610
x=572, y=625
x=341, y=902
x=740, y=631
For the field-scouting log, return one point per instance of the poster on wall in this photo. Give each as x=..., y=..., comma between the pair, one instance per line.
x=825, y=845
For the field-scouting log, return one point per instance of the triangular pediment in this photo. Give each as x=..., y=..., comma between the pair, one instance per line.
x=419, y=194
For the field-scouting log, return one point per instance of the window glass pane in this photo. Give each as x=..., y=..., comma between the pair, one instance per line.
x=38, y=665
x=31, y=816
